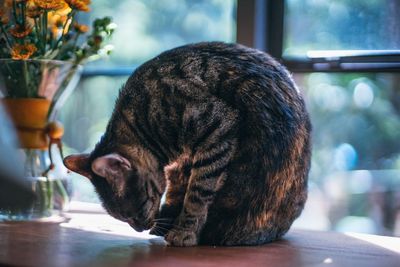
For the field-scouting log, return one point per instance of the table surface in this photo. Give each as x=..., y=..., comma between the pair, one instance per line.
x=99, y=240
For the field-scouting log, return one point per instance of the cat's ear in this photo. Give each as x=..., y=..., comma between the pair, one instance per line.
x=79, y=163
x=111, y=165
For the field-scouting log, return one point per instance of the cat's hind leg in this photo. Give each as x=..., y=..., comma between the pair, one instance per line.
x=253, y=238
x=230, y=229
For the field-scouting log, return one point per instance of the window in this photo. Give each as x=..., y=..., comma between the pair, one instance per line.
x=345, y=55
x=340, y=25
x=355, y=172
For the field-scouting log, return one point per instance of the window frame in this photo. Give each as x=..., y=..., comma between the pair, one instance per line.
x=265, y=31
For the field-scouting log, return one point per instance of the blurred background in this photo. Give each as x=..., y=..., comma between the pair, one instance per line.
x=343, y=55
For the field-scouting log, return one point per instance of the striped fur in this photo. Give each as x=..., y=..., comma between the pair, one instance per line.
x=223, y=131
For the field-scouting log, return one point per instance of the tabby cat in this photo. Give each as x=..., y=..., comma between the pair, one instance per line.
x=222, y=130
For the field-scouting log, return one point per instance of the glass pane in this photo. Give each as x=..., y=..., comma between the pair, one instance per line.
x=148, y=27
x=355, y=174
x=340, y=25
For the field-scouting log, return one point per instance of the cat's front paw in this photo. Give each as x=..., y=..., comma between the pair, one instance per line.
x=182, y=238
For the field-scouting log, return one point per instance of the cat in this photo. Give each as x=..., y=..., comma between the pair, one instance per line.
x=222, y=130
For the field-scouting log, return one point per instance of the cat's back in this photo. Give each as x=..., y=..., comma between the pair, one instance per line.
x=244, y=78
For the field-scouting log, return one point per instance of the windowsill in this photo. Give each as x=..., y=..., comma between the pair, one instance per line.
x=93, y=238
x=85, y=207
x=92, y=217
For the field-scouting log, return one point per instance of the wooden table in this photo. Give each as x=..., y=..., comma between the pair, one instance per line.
x=98, y=240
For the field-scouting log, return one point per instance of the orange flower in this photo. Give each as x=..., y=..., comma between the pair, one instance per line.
x=56, y=19
x=56, y=23
x=4, y=20
x=19, y=31
x=8, y=3
x=21, y=52
x=81, y=28
x=81, y=5
x=3, y=17
x=50, y=4
x=33, y=11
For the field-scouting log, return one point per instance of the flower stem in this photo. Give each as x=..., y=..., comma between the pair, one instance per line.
x=62, y=191
x=50, y=195
x=6, y=37
x=23, y=14
x=14, y=12
x=40, y=201
x=26, y=78
x=76, y=40
x=44, y=28
x=70, y=17
x=37, y=31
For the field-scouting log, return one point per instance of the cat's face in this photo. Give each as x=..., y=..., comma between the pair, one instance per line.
x=126, y=193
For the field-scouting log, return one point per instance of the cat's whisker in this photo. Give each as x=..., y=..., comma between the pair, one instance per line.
x=162, y=220
x=168, y=222
x=156, y=231
x=159, y=230
x=165, y=225
x=159, y=220
x=169, y=226
x=162, y=228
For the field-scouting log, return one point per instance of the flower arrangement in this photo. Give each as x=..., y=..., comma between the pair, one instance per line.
x=42, y=44
x=46, y=30
x=49, y=29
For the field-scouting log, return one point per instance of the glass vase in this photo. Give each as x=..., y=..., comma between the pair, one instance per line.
x=32, y=92
x=51, y=186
